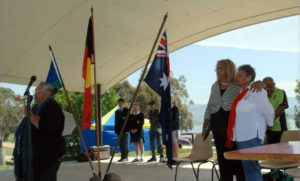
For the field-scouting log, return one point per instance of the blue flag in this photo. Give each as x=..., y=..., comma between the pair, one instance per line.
x=54, y=75
x=158, y=78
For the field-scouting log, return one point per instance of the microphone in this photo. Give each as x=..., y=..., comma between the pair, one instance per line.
x=32, y=79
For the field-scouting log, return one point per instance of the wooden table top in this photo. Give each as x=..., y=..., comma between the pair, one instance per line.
x=289, y=151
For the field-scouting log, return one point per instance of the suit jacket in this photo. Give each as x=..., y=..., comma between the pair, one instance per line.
x=47, y=141
x=120, y=117
x=136, y=121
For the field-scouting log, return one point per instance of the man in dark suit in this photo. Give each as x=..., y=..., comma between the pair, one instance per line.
x=175, y=128
x=120, y=117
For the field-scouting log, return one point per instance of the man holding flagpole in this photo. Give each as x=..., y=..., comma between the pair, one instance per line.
x=158, y=78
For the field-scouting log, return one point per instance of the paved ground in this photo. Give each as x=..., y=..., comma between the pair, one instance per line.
x=142, y=171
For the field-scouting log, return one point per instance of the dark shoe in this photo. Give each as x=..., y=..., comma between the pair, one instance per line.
x=152, y=159
x=174, y=162
x=136, y=160
x=140, y=160
x=123, y=160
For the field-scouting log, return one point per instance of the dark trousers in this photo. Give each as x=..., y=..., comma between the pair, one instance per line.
x=124, y=146
x=273, y=136
x=228, y=168
x=155, y=134
x=49, y=174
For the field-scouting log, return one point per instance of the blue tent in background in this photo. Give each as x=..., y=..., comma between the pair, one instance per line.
x=108, y=133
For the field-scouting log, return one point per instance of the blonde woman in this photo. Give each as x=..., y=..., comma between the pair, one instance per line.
x=223, y=92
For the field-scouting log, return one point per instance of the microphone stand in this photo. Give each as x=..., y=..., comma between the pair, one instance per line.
x=29, y=150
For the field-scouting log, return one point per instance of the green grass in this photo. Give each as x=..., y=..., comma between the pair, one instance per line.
x=6, y=167
x=182, y=152
x=11, y=138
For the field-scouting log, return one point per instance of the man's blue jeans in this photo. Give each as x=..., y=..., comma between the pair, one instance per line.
x=251, y=168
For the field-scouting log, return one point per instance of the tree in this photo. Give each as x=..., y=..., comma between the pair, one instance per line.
x=109, y=101
x=146, y=94
x=76, y=99
x=11, y=112
x=124, y=90
x=181, y=96
x=297, y=109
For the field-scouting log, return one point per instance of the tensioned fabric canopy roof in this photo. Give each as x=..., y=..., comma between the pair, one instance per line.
x=124, y=32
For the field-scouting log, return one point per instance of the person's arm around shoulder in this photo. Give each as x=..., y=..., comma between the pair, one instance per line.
x=256, y=86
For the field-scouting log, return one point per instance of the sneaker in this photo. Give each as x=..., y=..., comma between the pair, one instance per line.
x=162, y=159
x=124, y=160
x=140, y=160
x=152, y=159
x=135, y=160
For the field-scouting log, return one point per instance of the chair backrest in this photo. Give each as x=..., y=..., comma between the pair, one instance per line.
x=202, y=149
x=292, y=135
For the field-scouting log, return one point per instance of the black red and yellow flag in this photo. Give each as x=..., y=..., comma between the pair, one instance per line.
x=86, y=74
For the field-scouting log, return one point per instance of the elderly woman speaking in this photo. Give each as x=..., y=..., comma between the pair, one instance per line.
x=250, y=114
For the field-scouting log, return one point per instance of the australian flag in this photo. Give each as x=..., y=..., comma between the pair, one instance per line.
x=158, y=78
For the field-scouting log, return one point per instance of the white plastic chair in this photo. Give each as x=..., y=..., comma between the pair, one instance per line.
x=200, y=153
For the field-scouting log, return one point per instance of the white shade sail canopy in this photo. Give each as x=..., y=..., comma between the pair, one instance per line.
x=124, y=32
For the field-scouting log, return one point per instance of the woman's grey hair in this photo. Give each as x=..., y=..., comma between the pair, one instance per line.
x=48, y=88
x=249, y=71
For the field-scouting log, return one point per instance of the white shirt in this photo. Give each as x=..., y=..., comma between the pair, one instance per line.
x=253, y=113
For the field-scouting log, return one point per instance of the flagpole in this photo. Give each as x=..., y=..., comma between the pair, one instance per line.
x=96, y=96
x=135, y=94
x=73, y=113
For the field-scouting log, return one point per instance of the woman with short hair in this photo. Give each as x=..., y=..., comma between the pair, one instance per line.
x=251, y=113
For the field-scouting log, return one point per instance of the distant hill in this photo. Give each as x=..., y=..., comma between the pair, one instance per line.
x=198, y=110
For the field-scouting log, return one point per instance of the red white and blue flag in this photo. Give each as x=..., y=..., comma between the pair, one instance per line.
x=158, y=78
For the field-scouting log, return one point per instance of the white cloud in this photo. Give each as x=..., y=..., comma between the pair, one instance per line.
x=278, y=35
